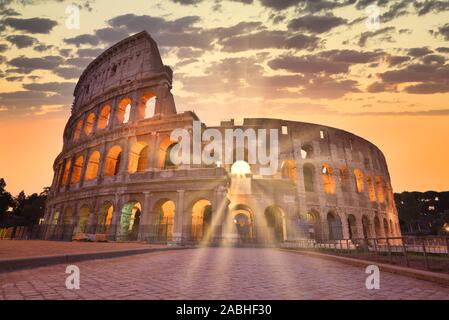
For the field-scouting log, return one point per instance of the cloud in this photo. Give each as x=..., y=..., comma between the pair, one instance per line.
x=438, y=112
x=32, y=25
x=365, y=36
x=22, y=41
x=419, y=52
x=305, y=5
x=14, y=78
x=428, y=88
x=316, y=24
x=377, y=87
x=187, y=2
x=27, y=65
x=83, y=39
x=89, y=52
x=424, y=7
x=269, y=39
x=68, y=72
x=3, y=47
x=396, y=60
x=328, y=88
x=54, y=87
x=444, y=31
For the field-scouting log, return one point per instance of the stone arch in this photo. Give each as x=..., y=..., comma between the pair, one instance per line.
x=366, y=227
x=380, y=191
x=201, y=214
x=147, y=104
x=328, y=179
x=289, y=170
x=275, y=219
x=103, y=119
x=386, y=228
x=377, y=227
x=130, y=216
x=164, y=159
x=77, y=130
x=67, y=217
x=123, y=111
x=104, y=218
x=92, y=166
x=112, y=161
x=65, y=174
x=82, y=219
x=307, y=151
x=55, y=217
x=89, y=125
x=138, y=157
x=371, y=191
x=309, y=177
x=360, y=185
x=243, y=219
x=164, y=210
x=313, y=219
x=392, y=231
x=334, y=225
x=77, y=168
x=344, y=178
x=352, y=227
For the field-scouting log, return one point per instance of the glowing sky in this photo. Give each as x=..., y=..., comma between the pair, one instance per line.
x=313, y=61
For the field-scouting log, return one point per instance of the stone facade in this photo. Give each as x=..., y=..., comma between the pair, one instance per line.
x=113, y=179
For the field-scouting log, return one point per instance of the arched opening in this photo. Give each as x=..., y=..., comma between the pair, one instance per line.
x=334, y=226
x=359, y=180
x=103, y=119
x=274, y=217
x=138, y=157
x=164, y=154
x=313, y=219
x=201, y=219
x=65, y=175
x=309, y=173
x=240, y=168
x=371, y=191
x=380, y=191
x=386, y=229
x=112, y=161
x=92, y=166
x=344, y=178
x=243, y=221
x=89, y=126
x=55, y=218
x=352, y=227
x=147, y=105
x=83, y=220
x=104, y=218
x=123, y=111
x=289, y=170
x=67, y=217
x=366, y=227
x=130, y=220
x=328, y=179
x=77, y=168
x=165, y=217
x=377, y=227
x=307, y=152
x=77, y=130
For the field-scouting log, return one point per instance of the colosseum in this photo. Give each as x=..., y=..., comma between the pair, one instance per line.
x=115, y=180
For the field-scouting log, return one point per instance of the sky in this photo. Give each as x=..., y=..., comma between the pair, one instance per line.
x=376, y=68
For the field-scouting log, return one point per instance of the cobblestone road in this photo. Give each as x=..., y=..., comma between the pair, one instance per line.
x=213, y=273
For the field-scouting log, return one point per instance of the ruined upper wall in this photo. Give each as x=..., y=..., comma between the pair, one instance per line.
x=132, y=59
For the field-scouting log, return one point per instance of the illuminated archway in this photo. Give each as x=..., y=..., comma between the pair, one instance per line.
x=371, y=191
x=275, y=220
x=164, y=158
x=165, y=217
x=89, y=125
x=104, y=218
x=138, y=157
x=77, y=168
x=328, y=179
x=77, y=130
x=380, y=191
x=65, y=174
x=201, y=218
x=358, y=175
x=243, y=220
x=92, y=166
x=309, y=173
x=129, y=221
x=113, y=158
x=103, y=119
x=289, y=170
x=147, y=105
x=123, y=111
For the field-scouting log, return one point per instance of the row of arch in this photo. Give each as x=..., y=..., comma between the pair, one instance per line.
x=377, y=187
x=362, y=227
x=138, y=158
x=106, y=117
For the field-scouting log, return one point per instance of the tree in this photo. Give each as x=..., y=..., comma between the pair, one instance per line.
x=29, y=209
x=6, y=201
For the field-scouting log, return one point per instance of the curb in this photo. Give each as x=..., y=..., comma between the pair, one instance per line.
x=442, y=279
x=9, y=265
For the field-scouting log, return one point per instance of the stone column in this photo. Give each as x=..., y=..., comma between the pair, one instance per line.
x=115, y=221
x=102, y=163
x=112, y=115
x=178, y=234
x=84, y=168
x=69, y=177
